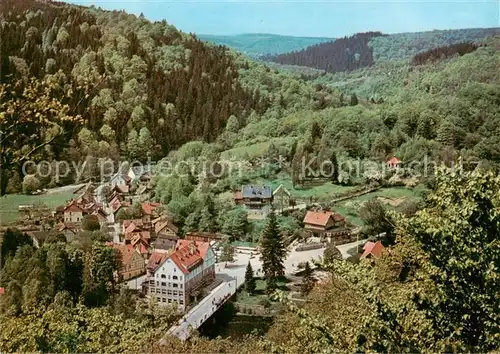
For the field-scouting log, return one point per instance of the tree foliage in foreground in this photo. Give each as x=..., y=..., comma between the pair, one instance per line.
x=435, y=291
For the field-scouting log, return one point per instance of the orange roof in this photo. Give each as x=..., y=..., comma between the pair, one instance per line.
x=320, y=218
x=372, y=248
x=73, y=207
x=155, y=260
x=189, y=254
x=2, y=291
x=148, y=207
x=127, y=252
x=394, y=161
x=132, y=225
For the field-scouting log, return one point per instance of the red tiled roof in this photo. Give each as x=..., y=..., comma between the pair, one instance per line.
x=73, y=207
x=320, y=218
x=127, y=252
x=189, y=254
x=148, y=207
x=2, y=291
x=68, y=226
x=156, y=259
x=373, y=248
x=394, y=161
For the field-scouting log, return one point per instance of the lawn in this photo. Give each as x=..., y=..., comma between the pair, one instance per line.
x=9, y=203
x=349, y=208
x=259, y=297
x=320, y=192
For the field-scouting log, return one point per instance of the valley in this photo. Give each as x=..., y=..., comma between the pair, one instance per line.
x=161, y=191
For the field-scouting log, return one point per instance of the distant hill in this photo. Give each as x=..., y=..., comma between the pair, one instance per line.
x=406, y=45
x=258, y=44
x=365, y=49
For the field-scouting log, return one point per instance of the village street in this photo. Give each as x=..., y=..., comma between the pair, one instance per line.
x=236, y=269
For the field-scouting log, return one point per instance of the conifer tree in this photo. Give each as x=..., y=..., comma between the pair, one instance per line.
x=249, y=279
x=307, y=280
x=227, y=254
x=335, y=165
x=354, y=99
x=273, y=249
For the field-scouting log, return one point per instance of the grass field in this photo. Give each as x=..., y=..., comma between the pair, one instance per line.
x=320, y=192
x=349, y=208
x=9, y=203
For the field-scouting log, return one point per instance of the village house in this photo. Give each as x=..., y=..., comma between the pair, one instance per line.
x=133, y=263
x=394, y=163
x=149, y=211
x=120, y=179
x=181, y=274
x=325, y=224
x=69, y=230
x=140, y=173
x=204, y=236
x=254, y=197
x=165, y=228
x=372, y=250
x=164, y=234
x=74, y=212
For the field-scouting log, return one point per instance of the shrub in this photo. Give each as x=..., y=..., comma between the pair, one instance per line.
x=30, y=184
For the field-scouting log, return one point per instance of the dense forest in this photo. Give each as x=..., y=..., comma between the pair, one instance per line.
x=119, y=86
x=443, y=53
x=363, y=50
x=85, y=84
x=343, y=54
x=259, y=44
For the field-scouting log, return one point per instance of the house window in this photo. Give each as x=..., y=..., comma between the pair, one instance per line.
x=180, y=277
x=169, y=292
x=157, y=283
x=181, y=302
x=175, y=293
x=163, y=291
x=180, y=286
x=169, y=277
x=176, y=285
x=174, y=277
x=181, y=293
x=163, y=300
x=158, y=299
x=152, y=290
x=169, y=301
x=163, y=276
x=163, y=284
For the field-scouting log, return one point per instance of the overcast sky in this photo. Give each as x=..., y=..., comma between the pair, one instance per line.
x=328, y=18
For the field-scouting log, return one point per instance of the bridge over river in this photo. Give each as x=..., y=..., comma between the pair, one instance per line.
x=231, y=276
x=203, y=310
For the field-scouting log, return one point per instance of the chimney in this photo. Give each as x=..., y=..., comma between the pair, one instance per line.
x=192, y=248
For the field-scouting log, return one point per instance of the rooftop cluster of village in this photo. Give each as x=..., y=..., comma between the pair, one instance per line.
x=160, y=260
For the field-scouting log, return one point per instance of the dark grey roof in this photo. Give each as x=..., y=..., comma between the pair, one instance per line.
x=256, y=192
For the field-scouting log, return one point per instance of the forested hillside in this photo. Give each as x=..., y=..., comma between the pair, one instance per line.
x=343, y=54
x=362, y=50
x=258, y=44
x=406, y=45
x=119, y=85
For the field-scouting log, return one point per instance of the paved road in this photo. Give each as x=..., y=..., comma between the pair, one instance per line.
x=202, y=311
